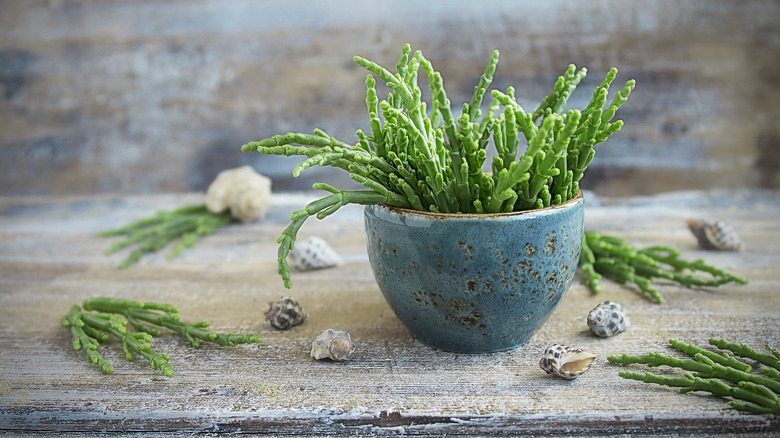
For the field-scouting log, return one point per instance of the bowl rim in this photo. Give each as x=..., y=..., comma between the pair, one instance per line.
x=411, y=212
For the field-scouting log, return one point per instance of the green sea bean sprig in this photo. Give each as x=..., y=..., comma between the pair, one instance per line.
x=419, y=154
x=186, y=224
x=720, y=374
x=611, y=257
x=110, y=318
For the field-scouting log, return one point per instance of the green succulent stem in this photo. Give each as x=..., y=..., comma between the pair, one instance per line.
x=186, y=224
x=111, y=318
x=723, y=359
x=743, y=350
x=748, y=397
x=613, y=258
x=167, y=316
x=718, y=374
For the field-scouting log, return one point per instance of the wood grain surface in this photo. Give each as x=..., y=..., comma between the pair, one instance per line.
x=159, y=95
x=51, y=259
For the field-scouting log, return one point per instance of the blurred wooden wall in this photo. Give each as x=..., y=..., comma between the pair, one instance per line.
x=159, y=95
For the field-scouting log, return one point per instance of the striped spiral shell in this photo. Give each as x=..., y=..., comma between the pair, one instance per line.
x=566, y=362
x=715, y=235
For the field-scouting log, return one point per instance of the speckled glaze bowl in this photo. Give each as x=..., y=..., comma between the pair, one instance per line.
x=474, y=283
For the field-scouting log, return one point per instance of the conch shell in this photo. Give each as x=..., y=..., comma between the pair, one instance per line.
x=332, y=344
x=244, y=191
x=566, y=362
x=715, y=235
x=284, y=313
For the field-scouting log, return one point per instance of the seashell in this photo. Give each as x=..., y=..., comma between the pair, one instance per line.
x=566, y=362
x=313, y=253
x=284, y=313
x=221, y=189
x=332, y=344
x=715, y=235
x=242, y=190
x=607, y=319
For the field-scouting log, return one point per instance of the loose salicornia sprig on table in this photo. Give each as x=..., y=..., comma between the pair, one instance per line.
x=186, y=224
x=112, y=317
x=429, y=159
x=167, y=317
x=613, y=258
x=719, y=374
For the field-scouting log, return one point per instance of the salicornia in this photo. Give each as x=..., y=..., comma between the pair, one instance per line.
x=420, y=155
x=111, y=318
x=612, y=257
x=719, y=374
x=151, y=234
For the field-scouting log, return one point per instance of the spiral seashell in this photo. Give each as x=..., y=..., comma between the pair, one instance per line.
x=284, y=313
x=566, y=362
x=242, y=190
x=715, y=235
x=333, y=345
x=313, y=253
x=607, y=319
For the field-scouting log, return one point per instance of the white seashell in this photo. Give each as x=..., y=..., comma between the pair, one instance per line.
x=332, y=344
x=313, y=253
x=284, y=313
x=607, y=319
x=566, y=362
x=715, y=235
x=220, y=190
x=245, y=192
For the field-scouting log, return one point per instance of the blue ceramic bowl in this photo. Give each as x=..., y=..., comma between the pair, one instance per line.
x=474, y=283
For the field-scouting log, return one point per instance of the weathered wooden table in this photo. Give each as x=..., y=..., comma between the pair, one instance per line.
x=51, y=259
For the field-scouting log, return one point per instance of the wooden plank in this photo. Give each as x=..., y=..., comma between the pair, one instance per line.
x=51, y=259
x=97, y=93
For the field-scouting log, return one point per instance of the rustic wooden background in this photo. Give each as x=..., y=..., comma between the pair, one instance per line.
x=158, y=95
